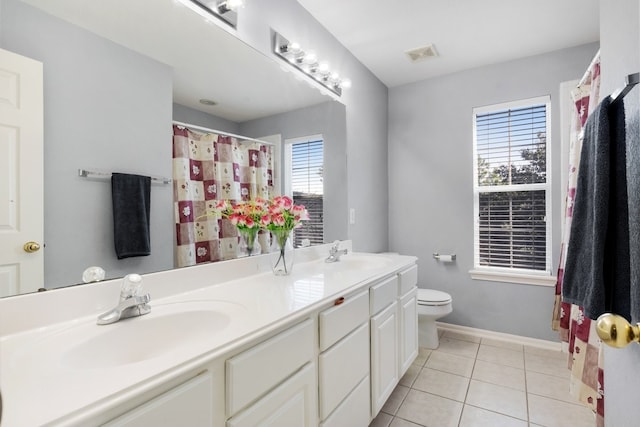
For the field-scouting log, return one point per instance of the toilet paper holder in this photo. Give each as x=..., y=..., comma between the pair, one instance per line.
x=444, y=258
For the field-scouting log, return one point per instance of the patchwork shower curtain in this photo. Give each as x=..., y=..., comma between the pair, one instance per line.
x=209, y=167
x=585, y=352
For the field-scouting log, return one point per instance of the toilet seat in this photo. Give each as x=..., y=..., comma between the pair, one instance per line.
x=433, y=297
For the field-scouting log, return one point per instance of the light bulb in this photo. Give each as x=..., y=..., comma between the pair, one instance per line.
x=310, y=57
x=345, y=84
x=235, y=4
x=294, y=47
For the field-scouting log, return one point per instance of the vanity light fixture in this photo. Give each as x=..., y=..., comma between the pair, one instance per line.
x=225, y=10
x=307, y=62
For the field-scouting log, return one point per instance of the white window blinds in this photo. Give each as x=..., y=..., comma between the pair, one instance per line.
x=307, y=188
x=511, y=189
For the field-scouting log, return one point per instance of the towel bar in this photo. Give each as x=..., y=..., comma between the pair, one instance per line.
x=85, y=173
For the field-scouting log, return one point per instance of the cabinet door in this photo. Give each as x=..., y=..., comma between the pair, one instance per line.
x=293, y=403
x=384, y=356
x=189, y=404
x=408, y=330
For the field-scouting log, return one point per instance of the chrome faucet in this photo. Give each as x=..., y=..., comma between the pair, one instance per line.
x=131, y=304
x=334, y=252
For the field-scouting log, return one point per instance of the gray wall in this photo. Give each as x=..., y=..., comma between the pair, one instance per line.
x=329, y=120
x=105, y=107
x=366, y=109
x=431, y=186
x=620, y=55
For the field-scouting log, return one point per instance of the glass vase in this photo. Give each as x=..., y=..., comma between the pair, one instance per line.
x=249, y=244
x=282, y=256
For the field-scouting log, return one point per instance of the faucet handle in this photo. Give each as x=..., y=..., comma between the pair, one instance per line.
x=131, y=286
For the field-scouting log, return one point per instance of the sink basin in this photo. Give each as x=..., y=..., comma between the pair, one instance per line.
x=142, y=338
x=170, y=329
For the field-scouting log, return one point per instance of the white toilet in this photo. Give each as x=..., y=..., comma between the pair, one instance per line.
x=432, y=305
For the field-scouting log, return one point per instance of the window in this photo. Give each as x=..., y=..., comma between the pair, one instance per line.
x=512, y=197
x=304, y=183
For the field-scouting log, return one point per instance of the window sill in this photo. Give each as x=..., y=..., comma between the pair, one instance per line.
x=517, y=278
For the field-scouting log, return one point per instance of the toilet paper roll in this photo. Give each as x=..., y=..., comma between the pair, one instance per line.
x=446, y=258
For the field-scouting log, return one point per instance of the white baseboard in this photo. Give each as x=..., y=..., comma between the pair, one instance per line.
x=483, y=333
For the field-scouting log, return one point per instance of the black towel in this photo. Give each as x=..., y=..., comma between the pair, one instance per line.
x=131, y=196
x=597, y=272
x=633, y=190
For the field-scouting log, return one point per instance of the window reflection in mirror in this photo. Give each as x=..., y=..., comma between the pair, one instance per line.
x=303, y=171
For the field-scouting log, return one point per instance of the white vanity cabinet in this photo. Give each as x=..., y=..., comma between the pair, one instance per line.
x=343, y=362
x=327, y=363
x=274, y=383
x=384, y=342
x=408, y=318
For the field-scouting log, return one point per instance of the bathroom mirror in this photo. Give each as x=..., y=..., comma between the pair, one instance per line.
x=116, y=74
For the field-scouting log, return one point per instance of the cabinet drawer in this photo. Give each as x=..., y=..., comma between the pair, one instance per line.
x=254, y=372
x=407, y=279
x=338, y=321
x=342, y=367
x=383, y=294
x=188, y=404
x=354, y=410
x=292, y=403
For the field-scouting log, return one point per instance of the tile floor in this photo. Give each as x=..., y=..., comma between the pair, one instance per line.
x=479, y=382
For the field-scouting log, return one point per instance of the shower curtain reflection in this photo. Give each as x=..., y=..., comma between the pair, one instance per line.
x=209, y=167
x=585, y=353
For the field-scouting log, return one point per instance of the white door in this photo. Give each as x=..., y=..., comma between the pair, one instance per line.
x=21, y=174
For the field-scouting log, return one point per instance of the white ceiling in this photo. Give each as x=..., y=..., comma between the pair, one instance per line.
x=466, y=33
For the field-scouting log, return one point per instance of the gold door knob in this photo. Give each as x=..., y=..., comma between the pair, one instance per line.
x=615, y=331
x=31, y=247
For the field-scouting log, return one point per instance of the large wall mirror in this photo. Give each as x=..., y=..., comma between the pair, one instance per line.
x=116, y=75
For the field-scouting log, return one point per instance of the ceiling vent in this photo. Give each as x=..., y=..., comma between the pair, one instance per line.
x=422, y=53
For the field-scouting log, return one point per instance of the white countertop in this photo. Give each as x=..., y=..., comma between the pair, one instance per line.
x=44, y=379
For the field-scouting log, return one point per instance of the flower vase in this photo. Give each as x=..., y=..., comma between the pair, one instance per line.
x=282, y=248
x=249, y=244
